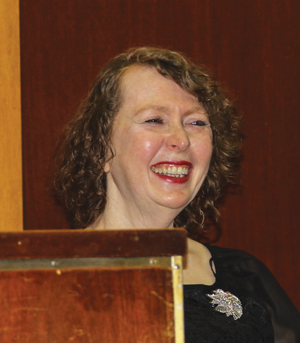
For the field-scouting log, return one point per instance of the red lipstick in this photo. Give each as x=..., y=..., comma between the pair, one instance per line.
x=173, y=179
x=174, y=163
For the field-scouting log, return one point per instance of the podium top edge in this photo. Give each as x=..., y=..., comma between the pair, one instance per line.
x=93, y=243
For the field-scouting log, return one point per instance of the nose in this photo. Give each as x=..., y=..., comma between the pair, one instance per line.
x=178, y=139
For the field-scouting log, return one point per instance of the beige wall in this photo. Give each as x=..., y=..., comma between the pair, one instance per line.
x=11, y=208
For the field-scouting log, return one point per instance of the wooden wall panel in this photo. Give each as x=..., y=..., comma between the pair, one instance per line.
x=252, y=46
x=11, y=198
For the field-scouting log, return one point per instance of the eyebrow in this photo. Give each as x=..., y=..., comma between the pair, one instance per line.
x=199, y=109
x=153, y=107
x=164, y=109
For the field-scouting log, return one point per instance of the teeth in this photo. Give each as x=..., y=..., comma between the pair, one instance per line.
x=171, y=171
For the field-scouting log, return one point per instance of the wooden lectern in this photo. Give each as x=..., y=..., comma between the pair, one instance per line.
x=92, y=286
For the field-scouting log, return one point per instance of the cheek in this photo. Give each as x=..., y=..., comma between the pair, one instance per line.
x=142, y=148
x=203, y=152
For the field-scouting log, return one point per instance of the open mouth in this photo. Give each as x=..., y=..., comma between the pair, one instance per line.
x=172, y=171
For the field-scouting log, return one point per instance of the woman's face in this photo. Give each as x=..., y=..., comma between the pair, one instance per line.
x=162, y=142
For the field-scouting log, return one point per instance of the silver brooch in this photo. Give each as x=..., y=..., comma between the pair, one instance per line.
x=226, y=303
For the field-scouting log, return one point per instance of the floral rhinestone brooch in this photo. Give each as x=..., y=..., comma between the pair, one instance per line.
x=226, y=303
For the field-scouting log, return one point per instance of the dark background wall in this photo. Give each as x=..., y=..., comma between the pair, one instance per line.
x=253, y=48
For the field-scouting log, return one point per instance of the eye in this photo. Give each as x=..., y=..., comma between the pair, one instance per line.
x=154, y=121
x=199, y=123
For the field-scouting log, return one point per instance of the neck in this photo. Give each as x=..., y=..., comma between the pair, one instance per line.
x=128, y=216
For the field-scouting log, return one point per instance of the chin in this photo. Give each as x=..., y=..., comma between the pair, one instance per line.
x=175, y=204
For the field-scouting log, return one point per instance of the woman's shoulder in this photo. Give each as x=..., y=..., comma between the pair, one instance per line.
x=221, y=252
x=242, y=268
x=247, y=275
x=235, y=258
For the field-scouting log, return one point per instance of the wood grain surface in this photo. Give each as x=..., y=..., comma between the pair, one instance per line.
x=11, y=188
x=91, y=243
x=90, y=305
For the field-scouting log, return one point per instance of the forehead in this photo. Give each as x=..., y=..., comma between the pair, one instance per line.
x=142, y=84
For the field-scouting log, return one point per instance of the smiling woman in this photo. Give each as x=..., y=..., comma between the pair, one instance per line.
x=154, y=130
x=152, y=146
x=81, y=179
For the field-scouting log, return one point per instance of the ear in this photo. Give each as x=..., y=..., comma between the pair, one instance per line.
x=109, y=158
x=107, y=167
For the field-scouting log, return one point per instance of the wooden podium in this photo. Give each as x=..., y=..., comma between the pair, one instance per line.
x=92, y=286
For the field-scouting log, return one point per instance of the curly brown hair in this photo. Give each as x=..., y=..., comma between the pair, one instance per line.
x=81, y=181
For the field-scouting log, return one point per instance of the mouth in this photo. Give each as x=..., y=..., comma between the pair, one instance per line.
x=173, y=170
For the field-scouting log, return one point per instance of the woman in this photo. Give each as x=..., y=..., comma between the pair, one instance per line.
x=152, y=146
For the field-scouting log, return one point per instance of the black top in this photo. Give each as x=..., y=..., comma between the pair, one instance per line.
x=268, y=313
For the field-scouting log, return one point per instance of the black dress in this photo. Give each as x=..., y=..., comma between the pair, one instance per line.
x=268, y=313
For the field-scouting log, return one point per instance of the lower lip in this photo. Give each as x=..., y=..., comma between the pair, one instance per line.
x=173, y=179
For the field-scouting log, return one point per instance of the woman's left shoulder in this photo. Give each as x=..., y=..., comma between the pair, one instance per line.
x=242, y=271
x=238, y=258
x=228, y=252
